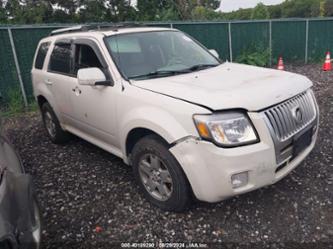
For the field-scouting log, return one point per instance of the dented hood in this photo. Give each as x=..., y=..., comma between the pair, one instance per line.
x=230, y=86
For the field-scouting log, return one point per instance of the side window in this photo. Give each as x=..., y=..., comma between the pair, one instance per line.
x=60, y=60
x=42, y=51
x=85, y=57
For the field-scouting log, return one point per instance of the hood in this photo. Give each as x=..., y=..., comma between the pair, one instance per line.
x=230, y=86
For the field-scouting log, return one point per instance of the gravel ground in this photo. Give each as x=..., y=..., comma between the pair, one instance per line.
x=89, y=199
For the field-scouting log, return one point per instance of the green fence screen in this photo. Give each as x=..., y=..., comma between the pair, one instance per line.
x=297, y=40
x=288, y=40
x=248, y=37
x=8, y=74
x=320, y=38
x=26, y=41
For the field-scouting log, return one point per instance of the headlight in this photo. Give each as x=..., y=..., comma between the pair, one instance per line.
x=227, y=129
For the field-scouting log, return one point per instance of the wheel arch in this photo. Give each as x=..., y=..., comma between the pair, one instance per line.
x=41, y=100
x=135, y=134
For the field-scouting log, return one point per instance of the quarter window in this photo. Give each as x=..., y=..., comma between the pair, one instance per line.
x=60, y=61
x=42, y=51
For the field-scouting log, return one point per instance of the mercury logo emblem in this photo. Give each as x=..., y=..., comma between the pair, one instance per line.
x=297, y=114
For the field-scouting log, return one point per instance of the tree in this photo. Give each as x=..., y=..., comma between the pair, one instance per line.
x=169, y=14
x=92, y=11
x=150, y=10
x=275, y=11
x=119, y=10
x=202, y=13
x=322, y=8
x=260, y=12
x=68, y=6
x=208, y=4
x=315, y=9
x=297, y=8
x=241, y=14
x=328, y=8
x=3, y=14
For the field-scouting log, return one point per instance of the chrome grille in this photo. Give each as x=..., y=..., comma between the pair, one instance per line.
x=291, y=116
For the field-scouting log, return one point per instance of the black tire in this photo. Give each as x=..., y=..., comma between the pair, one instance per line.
x=180, y=197
x=58, y=135
x=37, y=224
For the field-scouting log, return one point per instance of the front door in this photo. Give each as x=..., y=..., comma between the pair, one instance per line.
x=94, y=107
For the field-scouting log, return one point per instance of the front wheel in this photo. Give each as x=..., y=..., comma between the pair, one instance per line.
x=159, y=175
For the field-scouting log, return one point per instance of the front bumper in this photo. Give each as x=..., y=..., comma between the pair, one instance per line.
x=209, y=168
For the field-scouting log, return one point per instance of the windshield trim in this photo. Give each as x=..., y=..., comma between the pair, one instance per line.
x=219, y=61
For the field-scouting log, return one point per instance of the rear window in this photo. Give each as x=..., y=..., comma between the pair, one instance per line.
x=42, y=51
x=60, y=61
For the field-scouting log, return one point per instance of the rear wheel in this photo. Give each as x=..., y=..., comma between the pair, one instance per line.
x=52, y=125
x=159, y=175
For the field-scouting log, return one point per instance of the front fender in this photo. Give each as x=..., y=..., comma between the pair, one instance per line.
x=154, y=119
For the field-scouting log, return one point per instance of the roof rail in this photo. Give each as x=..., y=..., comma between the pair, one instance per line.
x=83, y=28
x=66, y=30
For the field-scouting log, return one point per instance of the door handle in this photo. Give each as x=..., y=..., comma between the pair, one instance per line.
x=77, y=91
x=48, y=82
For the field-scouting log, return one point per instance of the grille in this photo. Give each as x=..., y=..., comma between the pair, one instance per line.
x=291, y=116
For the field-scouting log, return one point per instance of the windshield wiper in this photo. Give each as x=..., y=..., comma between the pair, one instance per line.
x=165, y=73
x=201, y=67
x=160, y=73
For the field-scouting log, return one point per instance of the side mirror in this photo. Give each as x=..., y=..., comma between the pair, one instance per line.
x=214, y=52
x=92, y=77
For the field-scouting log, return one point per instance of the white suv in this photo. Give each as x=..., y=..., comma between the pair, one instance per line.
x=187, y=123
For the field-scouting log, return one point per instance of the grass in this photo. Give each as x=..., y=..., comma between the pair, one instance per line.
x=14, y=104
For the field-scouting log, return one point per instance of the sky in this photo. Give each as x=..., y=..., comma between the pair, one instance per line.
x=231, y=5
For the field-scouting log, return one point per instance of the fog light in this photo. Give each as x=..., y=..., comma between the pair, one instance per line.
x=239, y=180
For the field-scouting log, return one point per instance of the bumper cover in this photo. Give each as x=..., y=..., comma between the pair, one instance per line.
x=209, y=168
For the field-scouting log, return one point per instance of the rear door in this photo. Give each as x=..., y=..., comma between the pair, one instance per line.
x=37, y=71
x=61, y=79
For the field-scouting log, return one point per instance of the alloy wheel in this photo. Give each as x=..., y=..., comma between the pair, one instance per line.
x=50, y=124
x=155, y=177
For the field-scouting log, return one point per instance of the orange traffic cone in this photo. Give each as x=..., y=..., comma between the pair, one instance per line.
x=327, y=65
x=280, y=64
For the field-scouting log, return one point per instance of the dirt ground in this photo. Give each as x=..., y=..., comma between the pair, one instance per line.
x=81, y=187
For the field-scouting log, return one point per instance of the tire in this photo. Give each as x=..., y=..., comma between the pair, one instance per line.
x=52, y=125
x=37, y=226
x=176, y=191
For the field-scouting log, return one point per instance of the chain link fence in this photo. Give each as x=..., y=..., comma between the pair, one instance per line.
x=297, y=40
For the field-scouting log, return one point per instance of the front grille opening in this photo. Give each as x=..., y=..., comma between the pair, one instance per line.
x=282, y=118
x=286, y=149
x=282, y=166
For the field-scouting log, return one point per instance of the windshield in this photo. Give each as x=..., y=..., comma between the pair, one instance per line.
x=158, y=54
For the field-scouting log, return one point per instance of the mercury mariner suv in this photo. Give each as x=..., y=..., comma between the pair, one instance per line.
x=189, y=124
